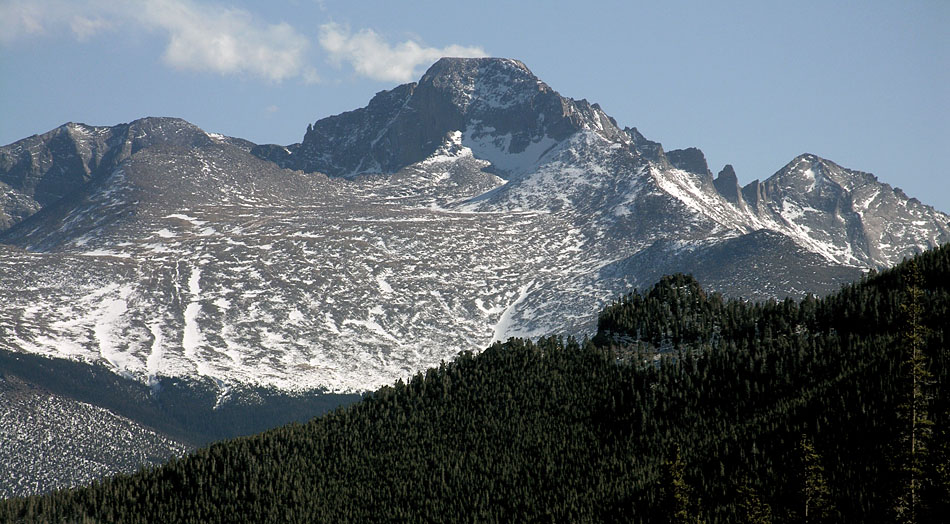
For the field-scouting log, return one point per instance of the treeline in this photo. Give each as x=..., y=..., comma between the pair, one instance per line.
x=684, y=408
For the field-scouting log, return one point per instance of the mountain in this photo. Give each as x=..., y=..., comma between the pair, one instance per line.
x=474, y=205
x=684, y=404
x=509, y=117
x=42, y=170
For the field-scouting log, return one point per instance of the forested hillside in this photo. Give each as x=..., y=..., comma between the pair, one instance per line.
x=684, y=408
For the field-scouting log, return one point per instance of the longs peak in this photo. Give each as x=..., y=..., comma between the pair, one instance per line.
x=498, y=104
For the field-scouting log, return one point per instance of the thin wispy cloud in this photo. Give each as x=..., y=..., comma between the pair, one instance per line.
x=200, y=36
x=36, y=18
x=84, y=27
x=371, y=56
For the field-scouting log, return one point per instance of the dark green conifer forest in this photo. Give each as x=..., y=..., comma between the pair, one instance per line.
x=685, y=407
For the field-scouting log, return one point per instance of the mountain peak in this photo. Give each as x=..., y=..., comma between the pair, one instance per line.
x=480, y=84
x=506, y=115
x=448, y=66
x=808, y=172
x=528, y=205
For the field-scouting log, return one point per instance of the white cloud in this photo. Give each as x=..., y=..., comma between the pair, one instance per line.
x=84, y=27
x=310, y=76
x=25, y=18
x=208, y=37
x=201, y=36
x=373, y=57
x=225, y=40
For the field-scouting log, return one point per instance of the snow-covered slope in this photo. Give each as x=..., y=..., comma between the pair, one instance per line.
x=847, y=216
x=208, y=261
x=51, y=441
x=474, y=205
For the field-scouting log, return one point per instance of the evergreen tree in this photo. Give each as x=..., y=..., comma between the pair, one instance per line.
x=677, y=501
x=815, y=493
x=751, y=509
x=913, y=411
x=940, y=465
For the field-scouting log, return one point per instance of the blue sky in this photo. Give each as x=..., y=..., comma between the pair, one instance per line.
x=754, y=84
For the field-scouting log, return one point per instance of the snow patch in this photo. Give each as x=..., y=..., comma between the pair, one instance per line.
x=191, y=335
x=295, y=316
x=154, y=360
x=506, y=317
x=108, y=317
x=194, y=221
x=382, y=283
x=105, y=253
x=450, y=150
x=496, y=148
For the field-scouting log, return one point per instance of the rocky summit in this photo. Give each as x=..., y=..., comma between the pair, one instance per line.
x=474, y=205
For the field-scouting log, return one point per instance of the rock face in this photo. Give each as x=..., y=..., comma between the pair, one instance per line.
x=474, y=205
x=690, y=159
x=727, y=185
x=506, y=113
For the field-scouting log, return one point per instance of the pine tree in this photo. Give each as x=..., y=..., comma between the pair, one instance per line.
x=751, y=509
x=677, y=504
x=940, y=462
x=913, y=411
x=816, y=495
